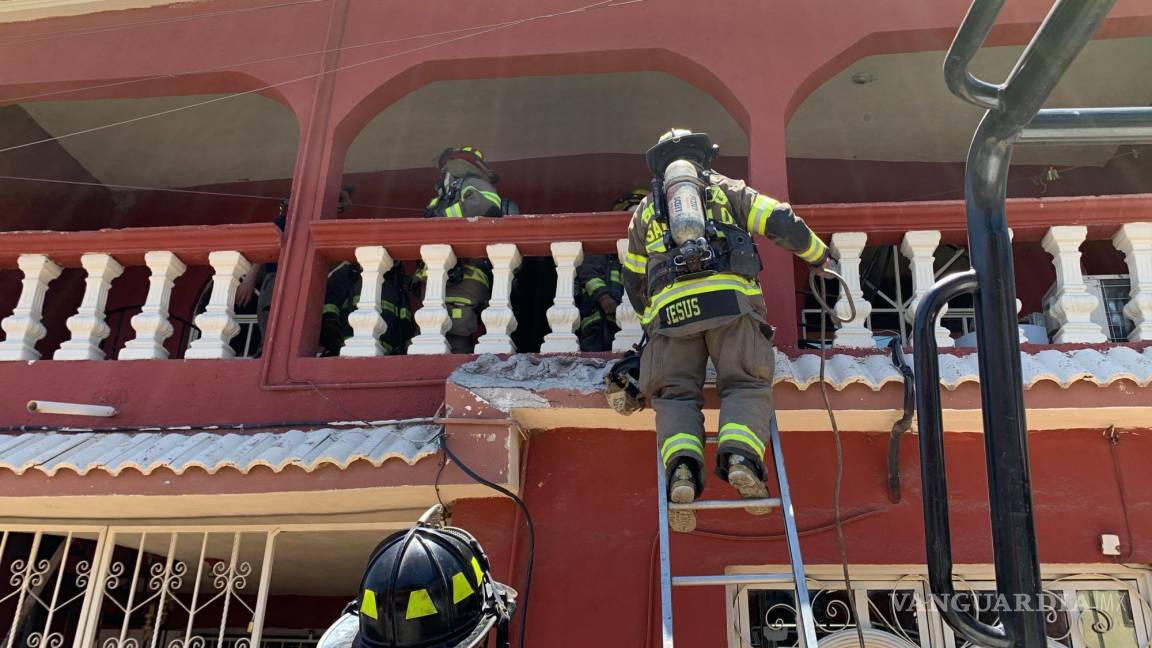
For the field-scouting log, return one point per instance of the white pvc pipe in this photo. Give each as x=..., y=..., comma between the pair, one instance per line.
x=71, y=409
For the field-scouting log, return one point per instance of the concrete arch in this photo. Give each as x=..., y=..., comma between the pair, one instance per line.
x=639, y=60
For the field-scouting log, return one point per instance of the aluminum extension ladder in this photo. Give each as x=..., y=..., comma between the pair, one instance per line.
x=805, y=626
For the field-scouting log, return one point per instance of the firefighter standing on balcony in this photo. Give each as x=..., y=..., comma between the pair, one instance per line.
x=600, y=288
x=465, y=189
x=691, y=273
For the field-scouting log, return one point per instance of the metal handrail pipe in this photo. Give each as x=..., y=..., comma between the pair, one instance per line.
x=1090, y=126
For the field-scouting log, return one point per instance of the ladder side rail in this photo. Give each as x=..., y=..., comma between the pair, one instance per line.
x=806, y=626
x=665, y=561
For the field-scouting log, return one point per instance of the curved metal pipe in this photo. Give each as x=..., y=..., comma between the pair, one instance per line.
x=937, y=531
x=970, y=37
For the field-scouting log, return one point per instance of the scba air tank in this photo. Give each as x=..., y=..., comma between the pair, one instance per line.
x=685, y=206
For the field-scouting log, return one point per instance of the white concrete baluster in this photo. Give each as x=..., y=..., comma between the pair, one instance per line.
x=151, y=323
x=849, y=246
x=563, y=316
x=366, y=321
x=630, y=330
x=1073, y=304
x=1135, y=241
x=1019, y=304
x=23, y=327
x=920, y=248
x=499, y=321
x=432, y=318
x=217, y=323
x=88, y=325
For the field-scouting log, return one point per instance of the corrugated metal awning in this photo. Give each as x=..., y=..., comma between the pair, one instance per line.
x=114, y=452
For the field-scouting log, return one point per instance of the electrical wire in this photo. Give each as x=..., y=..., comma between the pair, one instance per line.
x=840, y=541
x=199, y=192
x=259, y=61
x=1113, y=442
x=523, y=611
x=1134, y=153
x=271, y=86
x=140, y=188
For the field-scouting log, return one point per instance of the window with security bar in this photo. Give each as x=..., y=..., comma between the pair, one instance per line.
x=179, y=587
x=1114, y=296
x=1086, y=610
x=886, y=281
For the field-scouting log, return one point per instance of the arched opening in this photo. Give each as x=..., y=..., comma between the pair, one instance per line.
x=561, y=144
x=886, y=128
x=194, y=159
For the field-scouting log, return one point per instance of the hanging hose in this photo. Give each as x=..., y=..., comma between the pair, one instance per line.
x=821, y=298
x=903, y=423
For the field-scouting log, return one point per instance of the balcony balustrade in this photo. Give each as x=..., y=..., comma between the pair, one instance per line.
x=1073, y=311
x=166, y=252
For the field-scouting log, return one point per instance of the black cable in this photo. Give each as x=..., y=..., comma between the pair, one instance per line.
x=1113, y=441
x=527, y=519
x=840, y=541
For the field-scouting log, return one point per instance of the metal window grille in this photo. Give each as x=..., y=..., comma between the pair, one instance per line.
x=155, y=587
x=1115, y=293
x=1081, y=611
x=886, y=280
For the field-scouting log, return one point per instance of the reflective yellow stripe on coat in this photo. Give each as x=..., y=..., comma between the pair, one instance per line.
x=687, y=288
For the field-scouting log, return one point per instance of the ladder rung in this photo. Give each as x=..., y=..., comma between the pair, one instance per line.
x=710, y=505
x=731, y=579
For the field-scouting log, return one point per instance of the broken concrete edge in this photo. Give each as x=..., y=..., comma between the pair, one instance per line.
x=529, y=381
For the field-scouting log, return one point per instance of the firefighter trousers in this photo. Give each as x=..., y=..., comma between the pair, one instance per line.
x=465, y=300
x=672, y=374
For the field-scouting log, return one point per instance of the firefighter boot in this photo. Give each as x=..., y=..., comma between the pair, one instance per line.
x=683, y=491
x=744, y=479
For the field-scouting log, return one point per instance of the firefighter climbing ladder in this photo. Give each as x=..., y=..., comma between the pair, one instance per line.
x=805, y=626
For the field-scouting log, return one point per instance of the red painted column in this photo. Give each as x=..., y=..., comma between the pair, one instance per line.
x=768, y=174
x=300, y=281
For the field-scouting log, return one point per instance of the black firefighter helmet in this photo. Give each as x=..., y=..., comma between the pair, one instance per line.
x=430, y=587
x=681, y=144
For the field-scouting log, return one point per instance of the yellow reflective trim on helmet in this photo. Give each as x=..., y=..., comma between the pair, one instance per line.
x=461, y=588
x=420, y=605
x=742, y=434
x=368, y=604
x=476, y=568
x=814, y=251
x=687, y=288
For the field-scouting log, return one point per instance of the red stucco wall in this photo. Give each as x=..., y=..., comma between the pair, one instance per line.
x=591, y=494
